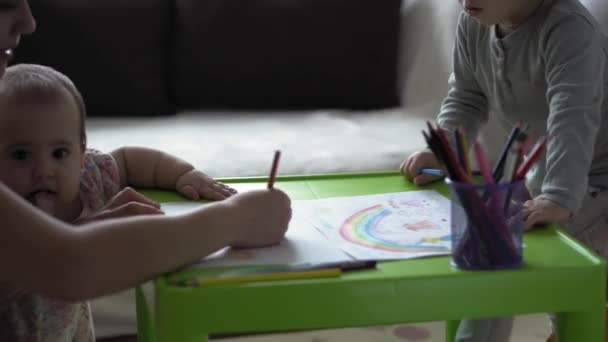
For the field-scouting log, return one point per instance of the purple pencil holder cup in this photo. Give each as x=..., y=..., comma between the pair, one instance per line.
x=487, y=224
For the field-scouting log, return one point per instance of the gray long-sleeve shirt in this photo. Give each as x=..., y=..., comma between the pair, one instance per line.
x=551, y=72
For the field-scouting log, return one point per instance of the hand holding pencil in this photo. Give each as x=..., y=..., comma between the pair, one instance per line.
x=262, y=220
x=421, y=167
x=264, y=215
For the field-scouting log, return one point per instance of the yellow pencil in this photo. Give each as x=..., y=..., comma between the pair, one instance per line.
x=249, y=278
x=465, y=151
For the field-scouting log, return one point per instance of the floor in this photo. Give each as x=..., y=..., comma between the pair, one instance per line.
x=528, y=328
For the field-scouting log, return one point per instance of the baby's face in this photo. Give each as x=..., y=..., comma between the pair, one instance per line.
x=40, y=151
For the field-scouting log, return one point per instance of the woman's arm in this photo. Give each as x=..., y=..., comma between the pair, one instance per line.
x=40, y=253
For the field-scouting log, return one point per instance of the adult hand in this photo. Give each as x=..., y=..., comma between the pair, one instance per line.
x=261, y=217
x=127, y=202
x=541, y=211
x=195, y=184
x=411, y=167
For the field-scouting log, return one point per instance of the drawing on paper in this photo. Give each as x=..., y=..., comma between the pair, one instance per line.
x=373, y=228
x=386, y=226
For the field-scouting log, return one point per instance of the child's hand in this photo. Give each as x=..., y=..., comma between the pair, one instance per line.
x=194, y=184
x=260, y=219
x=417, y=161
x=126, y=203
x=543, y=211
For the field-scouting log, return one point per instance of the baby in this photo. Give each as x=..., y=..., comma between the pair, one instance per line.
x=44, y=159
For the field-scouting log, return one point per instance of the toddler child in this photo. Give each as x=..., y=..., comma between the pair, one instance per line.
x=543, y=62
x=43, y=157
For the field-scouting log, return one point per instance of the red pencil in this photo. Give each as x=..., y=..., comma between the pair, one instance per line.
x=483, y=163
x=273, y=169
x=534, y=155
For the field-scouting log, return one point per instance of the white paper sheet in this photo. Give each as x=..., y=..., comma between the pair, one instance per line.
x=378, y=227
x=387, y=226
x=302, y=244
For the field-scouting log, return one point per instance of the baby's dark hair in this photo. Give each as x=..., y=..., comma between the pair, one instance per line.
x=39, y=80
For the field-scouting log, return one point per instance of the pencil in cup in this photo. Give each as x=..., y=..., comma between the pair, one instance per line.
x=499, y=169
x=461, y=150
x=520, y=171
x=473, y=245
x=465, y=151
x=479, y=241
x=483, y=235
x=496, y=248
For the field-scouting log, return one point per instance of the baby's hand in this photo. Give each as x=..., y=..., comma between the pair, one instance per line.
x=194, y=184
x=417, y=161
x=543, y=211
x=127, y=202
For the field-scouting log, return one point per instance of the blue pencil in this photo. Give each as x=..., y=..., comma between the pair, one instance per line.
x=432, y=172
x=498, y=171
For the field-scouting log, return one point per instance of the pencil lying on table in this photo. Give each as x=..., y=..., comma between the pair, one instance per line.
x=283, y=272
x=266, y=276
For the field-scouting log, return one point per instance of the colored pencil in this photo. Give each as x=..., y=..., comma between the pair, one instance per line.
x=457, y=171
x=344, y=266
x=483, y=163
x=268, y=276
x=432, y=144
x=432, y=172
x=498, y=171
x=465, y=151
x=459, y=149
x=534, y=156
x=273, y=169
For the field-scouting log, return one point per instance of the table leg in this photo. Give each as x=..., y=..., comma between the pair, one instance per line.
x=145, y=332
x=450, y=330
x=172, y=335
x=581, y=326
x=171, y=327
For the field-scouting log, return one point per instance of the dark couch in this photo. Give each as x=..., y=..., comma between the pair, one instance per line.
x=150, y=57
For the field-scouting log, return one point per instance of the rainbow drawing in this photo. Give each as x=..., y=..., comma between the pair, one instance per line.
x=422, y=225
x=364, y=228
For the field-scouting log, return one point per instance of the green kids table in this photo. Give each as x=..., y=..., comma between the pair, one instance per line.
x=559, y=275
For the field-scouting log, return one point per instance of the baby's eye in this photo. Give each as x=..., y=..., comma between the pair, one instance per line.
x=61, y=153
x=20, y=154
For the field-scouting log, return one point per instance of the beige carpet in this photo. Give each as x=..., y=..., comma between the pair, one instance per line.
x=528, y=328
